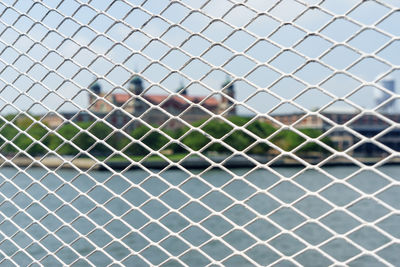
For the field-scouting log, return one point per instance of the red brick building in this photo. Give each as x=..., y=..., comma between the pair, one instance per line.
x=158, y=109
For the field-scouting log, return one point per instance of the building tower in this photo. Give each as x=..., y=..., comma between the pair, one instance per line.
x=390, y=85
x=229, y=90
x=136, y=88
x=95, y=90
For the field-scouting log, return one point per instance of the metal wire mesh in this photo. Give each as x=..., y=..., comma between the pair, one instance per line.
x=199, y=133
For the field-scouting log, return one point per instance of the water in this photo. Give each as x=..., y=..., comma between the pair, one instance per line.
x=71, y=215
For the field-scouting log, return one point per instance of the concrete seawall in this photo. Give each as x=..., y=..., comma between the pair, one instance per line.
x=51, y=163
x=190, y=163
x=240, y=162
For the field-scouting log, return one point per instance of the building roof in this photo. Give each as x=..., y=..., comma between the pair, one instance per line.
x=157, y=99
x=121, y=98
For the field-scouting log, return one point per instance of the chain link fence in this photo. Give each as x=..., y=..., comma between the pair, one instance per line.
x=199, y=133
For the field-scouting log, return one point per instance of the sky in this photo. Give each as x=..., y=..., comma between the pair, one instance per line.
x=277, y=52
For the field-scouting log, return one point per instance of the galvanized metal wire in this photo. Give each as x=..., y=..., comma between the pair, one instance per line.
x=62, y=46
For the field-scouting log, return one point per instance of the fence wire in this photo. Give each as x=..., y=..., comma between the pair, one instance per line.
x=199, y=133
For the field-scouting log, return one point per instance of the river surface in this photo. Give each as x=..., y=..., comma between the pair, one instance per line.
x=142, y=218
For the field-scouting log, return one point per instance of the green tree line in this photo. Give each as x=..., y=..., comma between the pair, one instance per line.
x=220, y=138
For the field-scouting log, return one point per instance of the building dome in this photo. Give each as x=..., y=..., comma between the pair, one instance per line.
x=227, y=81
x=136, y=85
x=182, y=89
x=95, y=88
x=136, y=80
